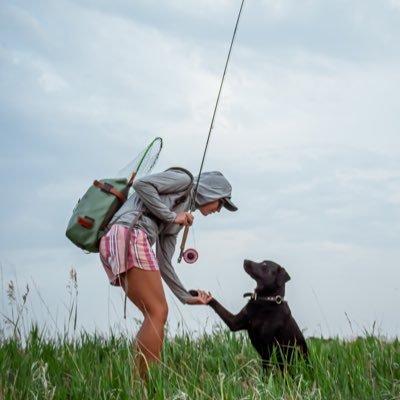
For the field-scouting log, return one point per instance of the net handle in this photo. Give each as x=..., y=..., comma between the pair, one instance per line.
x=132, y=178
x=134, y=173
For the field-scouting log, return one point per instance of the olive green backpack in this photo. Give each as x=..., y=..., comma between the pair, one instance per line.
x=94, y=211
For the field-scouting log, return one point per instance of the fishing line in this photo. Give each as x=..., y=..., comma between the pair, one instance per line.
x=191, y=255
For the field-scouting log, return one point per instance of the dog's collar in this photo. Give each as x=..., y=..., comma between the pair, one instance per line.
x=273, y=299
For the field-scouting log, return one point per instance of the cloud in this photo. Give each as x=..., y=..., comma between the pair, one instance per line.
x=395, y=4
x=306, y=131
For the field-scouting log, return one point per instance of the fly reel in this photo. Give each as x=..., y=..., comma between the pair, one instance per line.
x=190, y=256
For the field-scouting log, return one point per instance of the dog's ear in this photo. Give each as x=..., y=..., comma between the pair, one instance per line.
x=282, y=277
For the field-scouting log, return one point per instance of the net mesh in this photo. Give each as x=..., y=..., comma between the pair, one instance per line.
x=144, y=162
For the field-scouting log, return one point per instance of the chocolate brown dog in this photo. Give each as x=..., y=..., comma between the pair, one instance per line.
x=266, y=316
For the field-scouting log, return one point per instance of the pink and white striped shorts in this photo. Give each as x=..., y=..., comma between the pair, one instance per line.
x=112, y=252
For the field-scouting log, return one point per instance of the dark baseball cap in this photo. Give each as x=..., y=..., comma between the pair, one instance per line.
x=228, y=204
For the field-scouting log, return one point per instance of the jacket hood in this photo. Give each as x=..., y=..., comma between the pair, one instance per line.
x=213, y=186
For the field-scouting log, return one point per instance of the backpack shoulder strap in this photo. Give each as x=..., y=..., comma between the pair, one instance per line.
x=187, y=191
x=187, y=172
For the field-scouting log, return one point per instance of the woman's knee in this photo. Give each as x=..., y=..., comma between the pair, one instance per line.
x=157, y=312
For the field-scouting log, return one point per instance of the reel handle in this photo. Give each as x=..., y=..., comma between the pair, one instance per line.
x=183, y=243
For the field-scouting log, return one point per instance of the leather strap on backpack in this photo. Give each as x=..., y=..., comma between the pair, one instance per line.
x=106, y=187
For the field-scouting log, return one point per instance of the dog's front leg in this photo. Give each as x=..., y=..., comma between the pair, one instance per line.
x=234, y=322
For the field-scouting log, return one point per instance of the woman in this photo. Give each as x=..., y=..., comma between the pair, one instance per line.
x=155, y=213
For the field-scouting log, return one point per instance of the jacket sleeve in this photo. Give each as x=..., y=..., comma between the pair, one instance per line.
x=165, y=250
x=149, y=189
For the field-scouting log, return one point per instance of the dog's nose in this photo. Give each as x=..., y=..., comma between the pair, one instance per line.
x=246, y=262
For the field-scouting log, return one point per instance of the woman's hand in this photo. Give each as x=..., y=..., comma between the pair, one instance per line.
x=199, y=297
x=184, y=218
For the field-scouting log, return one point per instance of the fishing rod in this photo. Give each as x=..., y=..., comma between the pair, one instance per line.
x=191, y=255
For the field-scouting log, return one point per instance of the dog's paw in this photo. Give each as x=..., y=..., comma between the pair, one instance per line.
x=195, y=293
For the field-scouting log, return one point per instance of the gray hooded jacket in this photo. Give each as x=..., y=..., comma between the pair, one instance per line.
x=155, y=200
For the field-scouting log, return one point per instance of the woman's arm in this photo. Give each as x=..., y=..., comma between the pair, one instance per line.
x=164, y=251
x=149, y=189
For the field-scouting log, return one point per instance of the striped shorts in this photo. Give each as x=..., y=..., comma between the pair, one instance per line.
x=112, y=252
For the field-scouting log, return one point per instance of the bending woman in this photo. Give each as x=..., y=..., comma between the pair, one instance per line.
x=158, y=210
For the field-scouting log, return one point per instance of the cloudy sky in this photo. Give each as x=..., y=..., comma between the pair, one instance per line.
x=307, y=132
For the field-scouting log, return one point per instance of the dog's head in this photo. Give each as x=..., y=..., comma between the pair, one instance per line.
x=270, y=276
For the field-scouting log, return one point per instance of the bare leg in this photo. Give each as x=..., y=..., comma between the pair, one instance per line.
x=145, y=290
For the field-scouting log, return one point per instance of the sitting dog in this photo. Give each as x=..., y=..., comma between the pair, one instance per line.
x=266, y=317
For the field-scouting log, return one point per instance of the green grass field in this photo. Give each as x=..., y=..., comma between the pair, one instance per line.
x=38, y=364
x=221, y=365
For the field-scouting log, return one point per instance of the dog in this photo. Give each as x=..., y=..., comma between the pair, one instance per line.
x=267, y=316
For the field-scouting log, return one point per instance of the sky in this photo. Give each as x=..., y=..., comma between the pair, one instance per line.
x=307, y=132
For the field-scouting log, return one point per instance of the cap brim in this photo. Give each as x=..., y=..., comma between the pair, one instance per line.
x=228, y=204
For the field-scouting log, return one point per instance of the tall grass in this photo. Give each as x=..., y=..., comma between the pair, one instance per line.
x=217, y=365
x=220, y=365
